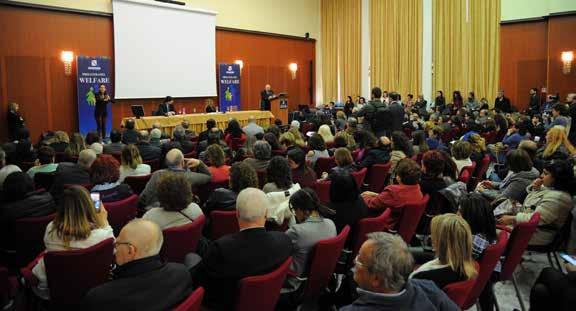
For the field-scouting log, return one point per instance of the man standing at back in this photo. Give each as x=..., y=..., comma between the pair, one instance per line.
x=142, y=280
x=374, y=113
x=397, y=112
x=252, y=251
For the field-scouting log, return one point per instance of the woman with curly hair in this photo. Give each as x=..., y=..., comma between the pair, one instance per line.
x=75, y=146
x=317, y=149
x=278, y=175
x=242, y=176
x=176, y=202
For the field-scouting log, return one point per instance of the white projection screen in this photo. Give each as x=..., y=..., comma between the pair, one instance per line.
x=163, y=50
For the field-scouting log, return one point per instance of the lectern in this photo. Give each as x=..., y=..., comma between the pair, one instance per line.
x=279, y=107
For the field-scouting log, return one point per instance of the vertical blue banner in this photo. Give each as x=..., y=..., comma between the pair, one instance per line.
x=92, y=71
x=229, y=90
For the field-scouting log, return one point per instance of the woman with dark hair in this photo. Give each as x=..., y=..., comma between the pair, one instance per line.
x=242, y=176
x=234, y=131
x=278, y=175
x=377, y=152
x=472, y=104
x=349, y=106
x=440, y=102
x=501, y=126
x=105, y=175
x=301, y=173
x=317, y=149
x=346, y=202
x=274, y=129
x=450, y=173
x=19, y=200
x=516, y=133
x=217, y=160
x=457, y=101
x=401, y=148
x=310, y=228
x=432, y=180
x=419, y=142
x=550, y=195
x=176, y=200
x=273, y=141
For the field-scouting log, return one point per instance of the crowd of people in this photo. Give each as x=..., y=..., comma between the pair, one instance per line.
x=522, y=163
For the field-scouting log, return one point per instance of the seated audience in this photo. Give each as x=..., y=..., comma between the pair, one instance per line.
x=5, y=171
x=104, y=175
x=478, y=146
x=461, y=151
x=252, y=251
x=346, y=201
x=434, y=141
x=242, y=176
x=142, y=280
x=515, y=134
x=287, y=141
x=278, y=175
x=450, y=173
x=344, y=164
x=179, y=137
x=214, y=138
x=272, y=140
x=326, y=133
x=301, y=173
x=419, y=142
x=130, y=135
x=73, y=173
x=252, y=128
x=187, y=131
x=132, y=163
x=19, y=200
x=381, y=272
x=115, y=145
x=377, y=152
x=554, y=290
x=21, y=149
x=262, y=154
x=234, y=132
x=550, y=195
x=78, y=224
x=396, y=196
x=210, y=124
x=401, y=148
x=75, y=147
x=60, y=141
x=147, y=151
x=196, y=173
x=44, y=162
x=217, y=160
x=452, y=242
x=97, y=148
x=432, y=179
x=317, y=149
x=156, y=138
x=298, y=137
x=176, y=201
x=558, y=147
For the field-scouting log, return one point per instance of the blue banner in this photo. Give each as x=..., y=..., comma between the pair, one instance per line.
x=92, y=72
x=229, y=90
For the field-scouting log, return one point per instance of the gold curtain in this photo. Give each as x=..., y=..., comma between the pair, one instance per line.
x=396, y=45
x=466, y=47
x=341, y=48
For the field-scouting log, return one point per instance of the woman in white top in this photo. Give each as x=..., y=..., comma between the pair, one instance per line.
x=461, y=151
x=77, y=225
x=132, y=163
x=326, y=133
x=175, y=197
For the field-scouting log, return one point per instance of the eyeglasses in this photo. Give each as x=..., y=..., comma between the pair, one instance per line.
x=358, y=262
x=121, y=243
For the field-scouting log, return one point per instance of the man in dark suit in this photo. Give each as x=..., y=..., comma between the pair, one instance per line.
x=148, y=152
x=166, y=108
x=210, y=124
x=252, y=251
x=502, y=103
x=142, y=280
x=534, y=105
x=115, y=145
x=73, y=173
x=265, y=97
x=130, y=135
x=397, y=112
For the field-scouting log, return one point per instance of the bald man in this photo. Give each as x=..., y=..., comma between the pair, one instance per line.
x=252, y=251
x=265, y=97
x=195, y=171
x=142, y=280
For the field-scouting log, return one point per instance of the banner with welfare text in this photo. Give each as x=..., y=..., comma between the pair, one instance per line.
x=92, y=72
x=229, y=89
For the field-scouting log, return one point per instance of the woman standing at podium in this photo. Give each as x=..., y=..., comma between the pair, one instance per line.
x=101, y=110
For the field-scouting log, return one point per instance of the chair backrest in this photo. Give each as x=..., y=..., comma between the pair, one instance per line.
x=72, y=273
x=121, y=212
x=359, y=176
x=323, y=190
x=489, y=260
x=182, y=240
x=368, y=225
x=44, y=180
x=377, y=176
x=261, y=178
x=137, y=183
x=117, y=156
x=236, y=143
x=203, y=191
x=517, y=244
x=324, y=165
x=261, y=292
x=223, y=223
x=411, y=214
x=323, y=262
x=459, y=291
x=29, y=236
x=193, y=302
x=483, y=168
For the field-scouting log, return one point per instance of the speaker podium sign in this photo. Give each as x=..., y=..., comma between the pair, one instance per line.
x=229, y=87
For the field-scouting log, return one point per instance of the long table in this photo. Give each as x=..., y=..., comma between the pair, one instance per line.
x=198, y=120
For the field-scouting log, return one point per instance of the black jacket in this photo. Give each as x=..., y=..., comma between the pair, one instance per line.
x=129, y=136
x=220, y=199
x=229, y=259
x=15, y=122
x=349, y=213
x=118, y=193
x=264, y=100
x=397, y=112
x=164, y=108
x=148, y=152
x=35, y=204
x=375, y=156
x=502, y=104
x=69, y=173
x=144, y=284
x=534, y=104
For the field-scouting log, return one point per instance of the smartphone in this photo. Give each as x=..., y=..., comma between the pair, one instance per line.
x=95, y=196
x=568, y=258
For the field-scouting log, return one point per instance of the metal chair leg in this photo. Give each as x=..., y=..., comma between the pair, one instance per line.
x=495, y=300
x=557, y=261
x=518, y=293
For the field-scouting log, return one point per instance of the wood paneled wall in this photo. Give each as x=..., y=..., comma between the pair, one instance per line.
x=32, y=74
x=530, y=57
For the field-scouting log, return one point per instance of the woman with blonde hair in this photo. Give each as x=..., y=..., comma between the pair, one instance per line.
x=60, y=141
x=478, y=145
x=75, y=146
x=558, y=147
x=78, y=224
x=131, y=163
x=298, y=139
x=326, y=133
x=452, y=243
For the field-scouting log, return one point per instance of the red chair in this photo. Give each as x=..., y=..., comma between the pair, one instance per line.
x=411, y=214
x=223, y=223
x=517, y=244
x=323, y=263
x=193, y=302
x=261, y=292
x=324, y=165
x=458, y=291
x=154, y=164
x=261, y=178
x=117, y=156
x=71, y=274
x=137, y=183
x=483, y=168
x=467, y=173
x=378, y=174
x=182, y=240
x=44, y=180
x=365, y=226
x=236, y=143
x=121, y=212
x=489, y=260
x=322, y=188
x=27, y=235
x=203, y=191
x=359, y=176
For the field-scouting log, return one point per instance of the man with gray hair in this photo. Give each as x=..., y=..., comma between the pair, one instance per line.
x=148, y=152
x=252, y=128
x=69, y=173
x=381, y=271
x=262, y=155
x=195, y=171
x=142, y=280
x=252, y=251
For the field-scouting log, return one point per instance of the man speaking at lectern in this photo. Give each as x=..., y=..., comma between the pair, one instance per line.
x=265, y=97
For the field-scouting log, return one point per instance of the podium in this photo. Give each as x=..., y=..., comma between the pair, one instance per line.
x=279, y=107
